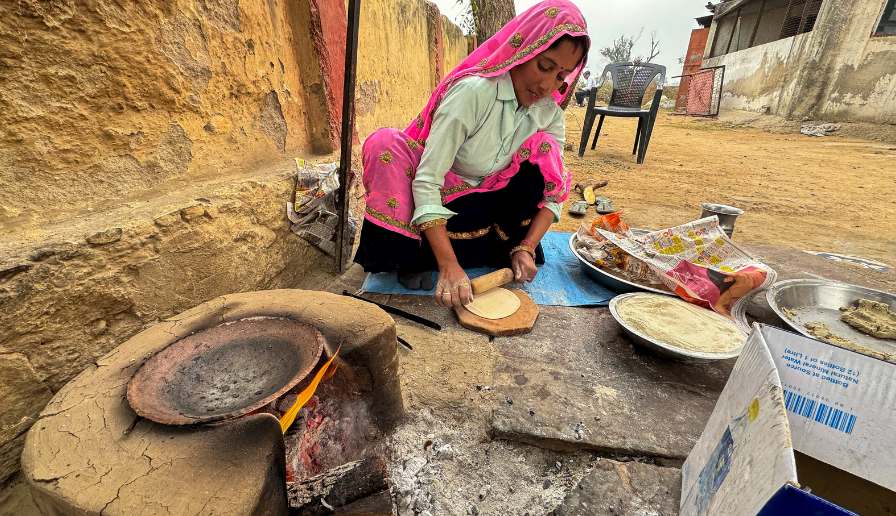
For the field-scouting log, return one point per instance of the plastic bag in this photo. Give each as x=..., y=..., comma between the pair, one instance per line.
x=701, y=264
x=313, y=215
x=596, y=248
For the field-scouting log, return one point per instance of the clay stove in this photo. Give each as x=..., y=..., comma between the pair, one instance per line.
x=89, y=452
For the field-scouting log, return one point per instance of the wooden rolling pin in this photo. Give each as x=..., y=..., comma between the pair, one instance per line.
x=491, y=280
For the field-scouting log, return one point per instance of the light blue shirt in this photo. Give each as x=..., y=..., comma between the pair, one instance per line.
x=476, y=130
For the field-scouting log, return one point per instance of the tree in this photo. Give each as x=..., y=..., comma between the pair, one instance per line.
x=620, y=51
x=486, y=17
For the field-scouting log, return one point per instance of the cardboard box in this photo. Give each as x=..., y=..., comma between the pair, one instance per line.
x=796, y=413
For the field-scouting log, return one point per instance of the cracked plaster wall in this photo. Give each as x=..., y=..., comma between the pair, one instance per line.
x=837, y=72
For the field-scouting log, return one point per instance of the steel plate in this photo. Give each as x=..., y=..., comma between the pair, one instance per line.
x=664, y=347
x=801, y=301
x=612, y=282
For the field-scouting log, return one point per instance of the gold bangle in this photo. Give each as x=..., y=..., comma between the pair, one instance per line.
x=431, y=224
x=523, y=247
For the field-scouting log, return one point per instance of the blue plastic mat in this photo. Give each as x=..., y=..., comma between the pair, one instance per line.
x=560, y=281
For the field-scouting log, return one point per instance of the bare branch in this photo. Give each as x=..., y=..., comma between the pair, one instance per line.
x=654, y=47
x=465, y=19
x=620, y=51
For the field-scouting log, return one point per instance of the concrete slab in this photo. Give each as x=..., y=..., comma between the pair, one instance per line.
x=575, y=367
x=576, y=382
x=457, y=385
x=624, y=488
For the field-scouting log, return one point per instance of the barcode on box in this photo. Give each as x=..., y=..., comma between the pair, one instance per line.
x=819, y=412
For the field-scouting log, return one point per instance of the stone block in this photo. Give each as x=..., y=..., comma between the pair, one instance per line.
x=624, y=489
x=109, y=236
x=576, y=382
x=191, y=213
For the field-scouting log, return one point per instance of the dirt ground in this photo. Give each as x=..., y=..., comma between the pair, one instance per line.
x=835, y=193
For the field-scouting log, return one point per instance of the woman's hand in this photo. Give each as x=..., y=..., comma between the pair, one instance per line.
x=522, y=261
x=523, y=265
x=453, y=288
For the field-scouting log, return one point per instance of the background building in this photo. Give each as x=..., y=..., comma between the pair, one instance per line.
x=823, y=59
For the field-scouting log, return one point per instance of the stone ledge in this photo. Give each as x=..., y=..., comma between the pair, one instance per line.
x=71, y=291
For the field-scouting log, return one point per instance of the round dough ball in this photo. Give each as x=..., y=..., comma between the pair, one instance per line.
x=497, y=303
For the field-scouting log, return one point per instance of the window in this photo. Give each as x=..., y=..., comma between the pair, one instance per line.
x=888, y=20
x=743, y=24
x=800, y=17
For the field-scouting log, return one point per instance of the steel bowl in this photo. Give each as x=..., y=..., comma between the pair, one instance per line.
x=611, y=281
x=801, y=301
x=727, y=215
x=664, y=348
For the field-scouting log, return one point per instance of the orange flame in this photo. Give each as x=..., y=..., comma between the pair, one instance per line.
x=290, y=416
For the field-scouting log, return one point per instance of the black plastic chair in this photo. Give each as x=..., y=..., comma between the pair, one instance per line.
x=630, y=81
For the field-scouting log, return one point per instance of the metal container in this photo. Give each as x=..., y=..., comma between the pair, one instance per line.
x=663, y=347
x=727, y=215
x=614, y=283
x=801, y=301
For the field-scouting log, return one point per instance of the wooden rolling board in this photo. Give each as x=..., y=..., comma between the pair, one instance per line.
x=520, y=322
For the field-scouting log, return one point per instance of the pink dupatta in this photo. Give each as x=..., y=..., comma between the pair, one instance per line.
x=391, y=157
x=523, y=38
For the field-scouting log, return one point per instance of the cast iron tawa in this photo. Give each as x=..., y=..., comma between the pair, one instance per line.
x=225, y=371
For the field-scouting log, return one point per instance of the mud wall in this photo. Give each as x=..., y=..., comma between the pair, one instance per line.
x=147, y=161
x=860, y=70
x=456, y=45
x=104, y=100
x=397, y=74
x=394, y=74
x=837, y=72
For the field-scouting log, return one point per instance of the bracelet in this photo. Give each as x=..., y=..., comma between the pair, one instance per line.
x=525, y=248
x=431, y=224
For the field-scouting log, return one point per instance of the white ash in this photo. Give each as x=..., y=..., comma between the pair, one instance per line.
x=457, y=469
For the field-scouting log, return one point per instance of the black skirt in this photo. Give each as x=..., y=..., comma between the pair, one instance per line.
x=487, y=226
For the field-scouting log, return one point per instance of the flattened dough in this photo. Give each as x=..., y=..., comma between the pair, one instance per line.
x=871, y=318
x=497, y=303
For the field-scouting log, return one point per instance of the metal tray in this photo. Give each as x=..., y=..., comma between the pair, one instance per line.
x=811, y=300
x=605, y=278
x=663, y=347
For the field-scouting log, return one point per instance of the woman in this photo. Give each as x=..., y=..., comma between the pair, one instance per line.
x=479, y=174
